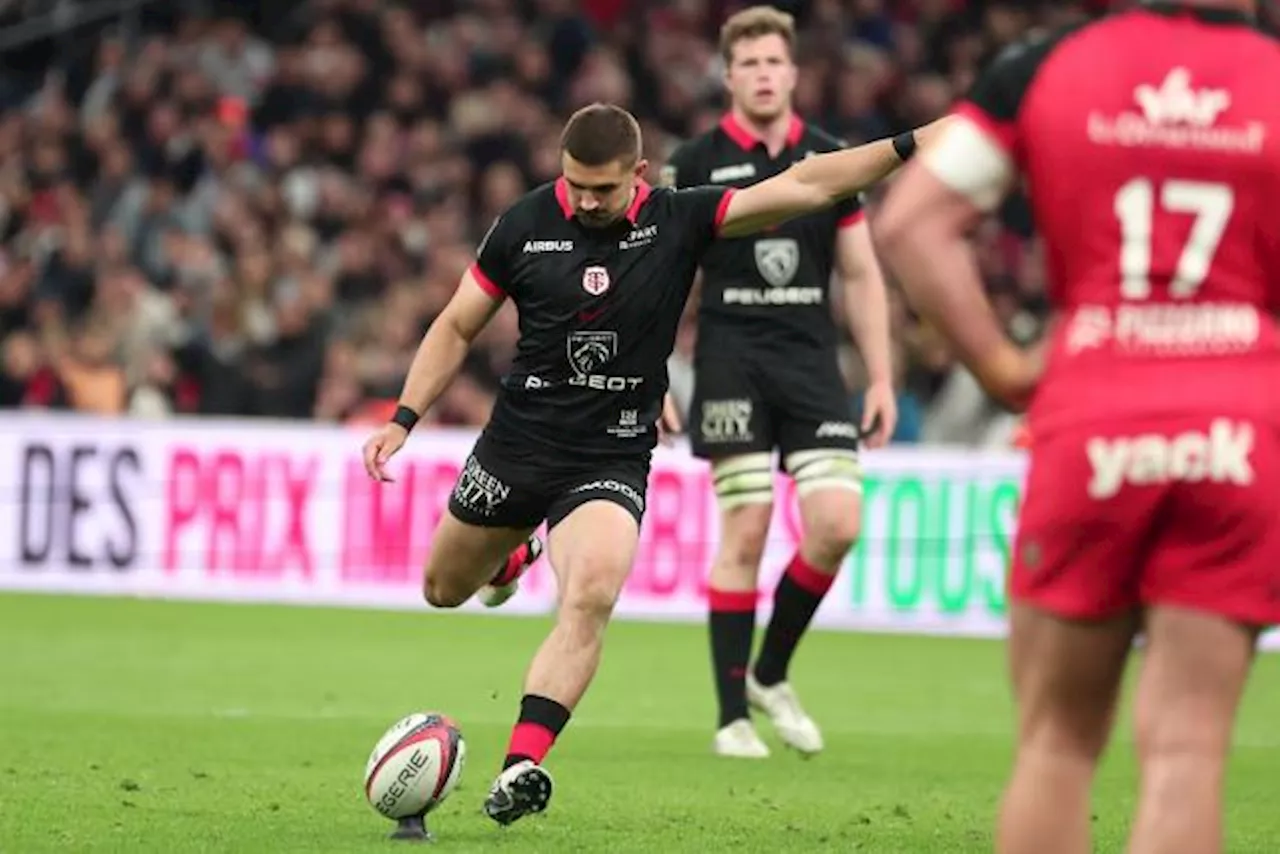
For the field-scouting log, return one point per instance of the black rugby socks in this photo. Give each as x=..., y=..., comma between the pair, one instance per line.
x=733, y=626
x=795, y=600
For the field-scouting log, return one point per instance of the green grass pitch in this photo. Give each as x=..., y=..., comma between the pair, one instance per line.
x=151, y=726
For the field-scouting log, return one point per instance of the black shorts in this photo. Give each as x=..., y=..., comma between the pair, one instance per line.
x=754, y=402
x=505, y=484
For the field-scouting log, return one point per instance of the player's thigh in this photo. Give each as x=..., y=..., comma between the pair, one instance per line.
x=1219, y=549
x=1195, y=665
x=497, y=500
x=1066, y=676
x=743, y=485
x=594, y=528
x=819, y=441
x=464, y=556
x=729, y=415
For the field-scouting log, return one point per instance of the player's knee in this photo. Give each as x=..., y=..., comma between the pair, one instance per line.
x=744, y=532
x=439, y=593
x=833, y=534
x=1165, y=732
x=1067, y=738
x=593, y=589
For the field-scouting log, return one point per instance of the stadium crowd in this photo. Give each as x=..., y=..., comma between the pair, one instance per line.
x=223, y=214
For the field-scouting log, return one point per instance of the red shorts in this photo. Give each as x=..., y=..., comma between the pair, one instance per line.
x=1180, y=511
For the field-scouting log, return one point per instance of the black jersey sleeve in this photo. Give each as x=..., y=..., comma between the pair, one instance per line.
x=493, y=266
x=700, y=211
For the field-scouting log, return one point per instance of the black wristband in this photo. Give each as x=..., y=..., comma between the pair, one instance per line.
x=405, y=417
x=904, y=144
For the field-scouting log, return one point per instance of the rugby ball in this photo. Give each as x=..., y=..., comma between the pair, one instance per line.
x=415, y=765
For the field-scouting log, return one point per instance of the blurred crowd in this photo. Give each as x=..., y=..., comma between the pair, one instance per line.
x=255, y=209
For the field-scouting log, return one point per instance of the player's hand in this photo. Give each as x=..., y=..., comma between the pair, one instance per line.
x=380, y=447
x=879, y=414
x=669, y=421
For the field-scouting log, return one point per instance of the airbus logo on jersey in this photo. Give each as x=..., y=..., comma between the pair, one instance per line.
x=1175, y=114
x=536, y=246
x=1220, y=455
x=736, y=172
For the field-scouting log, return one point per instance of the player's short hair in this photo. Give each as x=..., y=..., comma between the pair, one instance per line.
x=755, y=22
x=600, y=134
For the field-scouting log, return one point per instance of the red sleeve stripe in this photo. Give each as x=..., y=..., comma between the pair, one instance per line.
x=1005, y=134
x=486, y=284
x=722, y=209
x=851, y=219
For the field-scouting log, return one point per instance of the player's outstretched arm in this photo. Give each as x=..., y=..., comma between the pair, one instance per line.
x=815, y=183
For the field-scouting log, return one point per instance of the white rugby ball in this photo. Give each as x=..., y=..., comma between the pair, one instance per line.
x=415, y=765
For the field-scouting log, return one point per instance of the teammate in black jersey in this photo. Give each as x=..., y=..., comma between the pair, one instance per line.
x=768, y=377
x=599, y=266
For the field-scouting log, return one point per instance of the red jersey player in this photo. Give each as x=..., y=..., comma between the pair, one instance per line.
x=1150, y=145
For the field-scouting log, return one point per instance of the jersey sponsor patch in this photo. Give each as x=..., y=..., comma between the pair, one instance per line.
x=1219, y=455
x=777, y=259
x=735, y=172
x=479, y=490
x=1177, y=114
x=591, y=350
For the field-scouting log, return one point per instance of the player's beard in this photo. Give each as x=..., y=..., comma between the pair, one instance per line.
x=598, y=219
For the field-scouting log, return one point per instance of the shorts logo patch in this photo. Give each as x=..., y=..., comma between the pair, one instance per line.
x=777, y=259
x=1221, y=454
x=726, y=421
x=590, y=350
x=617, y=487
x=1031, y=555
x=478, y=490
x=595, y=280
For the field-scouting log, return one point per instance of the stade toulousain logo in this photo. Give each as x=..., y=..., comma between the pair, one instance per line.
x=595, y=280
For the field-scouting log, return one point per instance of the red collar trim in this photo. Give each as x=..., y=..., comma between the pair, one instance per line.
x=643, y=191
x=747, y=140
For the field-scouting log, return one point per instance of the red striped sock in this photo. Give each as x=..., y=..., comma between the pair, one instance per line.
x=541, y=721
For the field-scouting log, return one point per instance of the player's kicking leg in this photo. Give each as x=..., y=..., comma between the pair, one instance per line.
x=829, y=483
x=467, y=559
x=744, y=490
x=591, y=550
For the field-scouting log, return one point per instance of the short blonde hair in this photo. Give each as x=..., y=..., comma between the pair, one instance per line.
x=753, y=23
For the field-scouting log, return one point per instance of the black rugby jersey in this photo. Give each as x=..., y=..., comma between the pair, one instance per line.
x=773, y=284
x=598, y=313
